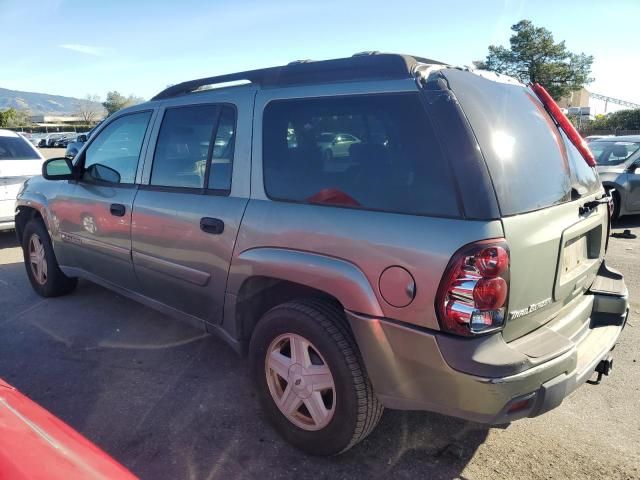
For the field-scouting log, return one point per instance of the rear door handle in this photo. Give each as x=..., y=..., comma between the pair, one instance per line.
x=117, y=209
x=211, y=225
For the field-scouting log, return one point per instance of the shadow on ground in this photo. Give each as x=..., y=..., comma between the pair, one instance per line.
x=169, y=402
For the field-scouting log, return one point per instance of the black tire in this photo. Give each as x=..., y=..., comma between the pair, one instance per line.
x=357, y=409
x=55, y=283
x=616, y=206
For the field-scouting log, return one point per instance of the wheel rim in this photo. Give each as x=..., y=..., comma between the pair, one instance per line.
x=300, y=382
x=37, y=259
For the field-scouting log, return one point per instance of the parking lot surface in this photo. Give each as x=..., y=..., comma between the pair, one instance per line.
x=171, y=403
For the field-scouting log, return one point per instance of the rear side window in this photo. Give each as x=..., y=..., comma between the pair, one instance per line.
x=374, y=152
x=16, y=148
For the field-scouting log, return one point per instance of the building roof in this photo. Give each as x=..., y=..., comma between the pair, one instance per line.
x=365, y=66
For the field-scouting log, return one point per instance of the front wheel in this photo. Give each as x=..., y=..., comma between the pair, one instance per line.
x=311, y=379
x=40, y=261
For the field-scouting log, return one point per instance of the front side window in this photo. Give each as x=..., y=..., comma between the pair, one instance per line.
x=113, y=156
x=375, y=152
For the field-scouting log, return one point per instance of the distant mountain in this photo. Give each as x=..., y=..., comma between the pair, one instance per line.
x=40, y=103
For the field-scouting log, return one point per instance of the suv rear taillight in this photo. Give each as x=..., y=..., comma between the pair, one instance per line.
x=473, y=292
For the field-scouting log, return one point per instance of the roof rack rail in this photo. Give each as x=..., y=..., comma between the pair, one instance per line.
x=365, y=53
x=364, y=66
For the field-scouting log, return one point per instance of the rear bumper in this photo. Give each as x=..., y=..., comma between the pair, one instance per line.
x=487, y=380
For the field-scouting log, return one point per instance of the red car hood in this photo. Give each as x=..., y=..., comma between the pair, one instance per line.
x=34, y=444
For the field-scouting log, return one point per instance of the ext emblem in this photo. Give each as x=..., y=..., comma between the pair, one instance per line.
x=531, y=308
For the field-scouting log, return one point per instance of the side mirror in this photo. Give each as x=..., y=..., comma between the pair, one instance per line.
x=102, y=173
x=58, y=169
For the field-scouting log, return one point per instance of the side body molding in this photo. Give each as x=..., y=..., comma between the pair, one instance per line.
x=337, y=277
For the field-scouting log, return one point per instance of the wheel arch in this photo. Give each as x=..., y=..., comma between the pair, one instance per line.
x=262, y=278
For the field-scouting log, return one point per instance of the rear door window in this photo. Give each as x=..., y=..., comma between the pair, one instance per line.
x=189, y=136
x=375, y=152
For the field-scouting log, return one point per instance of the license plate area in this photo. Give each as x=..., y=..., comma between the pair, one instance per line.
x=581, y=248
x=575, y=255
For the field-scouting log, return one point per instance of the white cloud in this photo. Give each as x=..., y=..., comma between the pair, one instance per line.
x=87, y=49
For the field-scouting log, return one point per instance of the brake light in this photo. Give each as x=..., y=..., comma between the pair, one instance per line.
x=564, y=123
x=473, y=291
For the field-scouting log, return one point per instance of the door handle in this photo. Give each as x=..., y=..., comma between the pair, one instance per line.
x=211, y=225
x=117, y=209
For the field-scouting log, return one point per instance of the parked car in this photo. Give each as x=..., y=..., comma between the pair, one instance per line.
x=591, y=138
x=336, y=144
x=62, y=141
x=618, y=160
x=74, y=147
x=457, y=265
x=50, y=139
x=36, y=138
x=36, y=444
x=19, y=160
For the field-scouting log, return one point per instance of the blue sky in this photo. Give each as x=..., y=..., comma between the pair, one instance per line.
x=75, y=48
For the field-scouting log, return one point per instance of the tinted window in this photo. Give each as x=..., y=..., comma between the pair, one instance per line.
x=182, y=149
x=16, y=148
x=117, y=148
x=223, y=149
x=391, y=161
x=523, y=148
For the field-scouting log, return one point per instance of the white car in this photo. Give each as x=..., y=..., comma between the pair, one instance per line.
x=19, y=160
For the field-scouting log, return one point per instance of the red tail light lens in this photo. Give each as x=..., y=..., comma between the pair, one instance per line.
x=564, y=123
x=492, y=261
x=473, y=292
x=490, y=293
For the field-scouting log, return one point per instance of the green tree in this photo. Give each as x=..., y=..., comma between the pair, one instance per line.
x=534, y=56
x=620, y=120
x=12, y=118
x=116, y=101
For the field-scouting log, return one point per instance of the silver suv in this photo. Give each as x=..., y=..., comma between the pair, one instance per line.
x=452, y=259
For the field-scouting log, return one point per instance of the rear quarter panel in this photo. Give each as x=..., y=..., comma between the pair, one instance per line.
x=370, y=240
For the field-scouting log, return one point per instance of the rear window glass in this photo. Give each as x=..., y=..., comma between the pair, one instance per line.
x=16, y=148
x=532, y=165
x=612, y=152
x=374, y=152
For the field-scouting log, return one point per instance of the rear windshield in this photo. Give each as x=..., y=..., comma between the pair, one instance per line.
x=532, y=164
x=16, y=148
x=609, y=152
x=375, y=152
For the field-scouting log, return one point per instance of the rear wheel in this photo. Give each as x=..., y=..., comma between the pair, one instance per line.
x=311, y=380
x=40, y=261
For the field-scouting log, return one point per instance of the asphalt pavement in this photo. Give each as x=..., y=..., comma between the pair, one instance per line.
x=171, y=403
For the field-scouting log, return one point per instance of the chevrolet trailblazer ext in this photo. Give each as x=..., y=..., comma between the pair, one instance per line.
x=451, y=260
